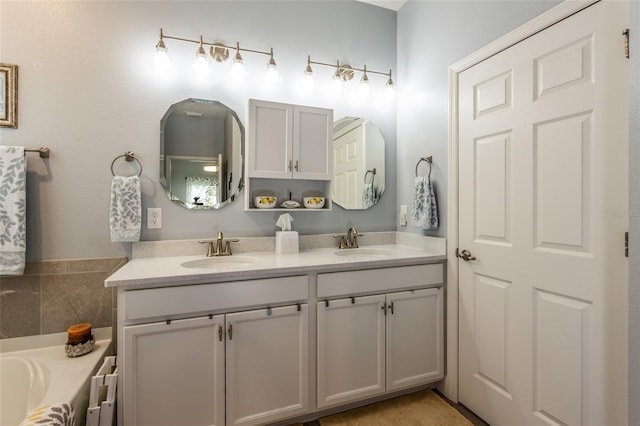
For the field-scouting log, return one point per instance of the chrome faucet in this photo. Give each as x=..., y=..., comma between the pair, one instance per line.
x=350, y=240
x=222, y=247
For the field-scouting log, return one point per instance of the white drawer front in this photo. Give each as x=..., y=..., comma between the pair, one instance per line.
x=373, y=280
x=191, y=299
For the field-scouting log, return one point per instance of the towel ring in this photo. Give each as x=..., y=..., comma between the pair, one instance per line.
x=429, y=160
x=129, y=156
x=373, y=171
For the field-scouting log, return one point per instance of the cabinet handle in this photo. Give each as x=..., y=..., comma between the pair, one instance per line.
x=230, y=331
x=391, y=307
x=296, y=165
x=289, y=165
x=384, y=308
x=220, y=333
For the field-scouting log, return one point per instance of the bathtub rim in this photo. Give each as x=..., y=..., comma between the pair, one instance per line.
x=35, y=348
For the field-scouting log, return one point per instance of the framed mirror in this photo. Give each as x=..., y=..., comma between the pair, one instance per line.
x=358, y=169
x=201, y=154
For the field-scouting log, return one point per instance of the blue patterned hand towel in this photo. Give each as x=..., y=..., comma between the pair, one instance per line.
x=125, y=216
x=424, y=212
x=368, y=196
x=12, y=210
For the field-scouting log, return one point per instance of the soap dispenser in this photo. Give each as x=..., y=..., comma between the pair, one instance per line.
x=286, y=240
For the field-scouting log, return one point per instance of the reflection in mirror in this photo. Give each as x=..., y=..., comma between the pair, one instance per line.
x=201, y=154
x=358, y=156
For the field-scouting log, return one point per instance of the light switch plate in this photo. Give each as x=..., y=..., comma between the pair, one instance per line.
x=402, y=217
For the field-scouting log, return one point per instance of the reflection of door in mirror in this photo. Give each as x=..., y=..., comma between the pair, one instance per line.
x=358, y=153
x=201, y=161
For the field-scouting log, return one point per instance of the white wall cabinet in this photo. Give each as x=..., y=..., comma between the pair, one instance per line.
x=179, y=376
x=288, y=148
x=373, y=344
x=289, y=141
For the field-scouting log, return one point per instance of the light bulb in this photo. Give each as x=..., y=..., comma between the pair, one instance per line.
x=364, y=83
x=161, y=60
x=271, y=75
x=308, y=82
x=237, y=69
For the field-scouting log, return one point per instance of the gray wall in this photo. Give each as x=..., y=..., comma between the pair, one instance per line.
x=432, y=35
x=89, y=91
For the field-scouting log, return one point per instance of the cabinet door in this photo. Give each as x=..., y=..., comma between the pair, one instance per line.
x=414, y=338
x=312, y=143
x=270, y=140
x=174, y=373
x=350, y=350
x=267, y=365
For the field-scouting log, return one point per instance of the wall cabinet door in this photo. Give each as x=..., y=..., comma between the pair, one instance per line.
x=350, y=350
x=312, y=143
x=174, y=373
x=270, y=140
x=414, y=338
x=289, y=141
x=267, y=365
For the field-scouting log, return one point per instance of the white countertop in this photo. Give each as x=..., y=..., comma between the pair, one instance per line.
x=159, y=271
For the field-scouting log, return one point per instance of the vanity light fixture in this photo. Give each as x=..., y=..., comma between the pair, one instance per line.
x=345, y=73
x=218, y=51
x=201, y=64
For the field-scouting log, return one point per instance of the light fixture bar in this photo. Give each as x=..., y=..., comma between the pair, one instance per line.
x=347, y=67
x=206, y=43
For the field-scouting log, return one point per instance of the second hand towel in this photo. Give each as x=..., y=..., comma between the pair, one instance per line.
x=125, y=216
x=424, y=213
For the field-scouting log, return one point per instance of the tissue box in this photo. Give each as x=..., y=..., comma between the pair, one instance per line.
x=286, y=242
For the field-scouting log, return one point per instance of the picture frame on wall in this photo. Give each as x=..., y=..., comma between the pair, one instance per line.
x=8, y=95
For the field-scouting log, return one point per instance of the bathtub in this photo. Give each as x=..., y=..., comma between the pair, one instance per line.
x=35, y=371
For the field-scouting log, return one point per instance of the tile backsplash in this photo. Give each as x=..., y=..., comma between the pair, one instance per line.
x=53, y=295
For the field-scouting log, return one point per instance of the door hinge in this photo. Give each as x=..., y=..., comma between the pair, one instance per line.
x=625, y=33
x=626, y=244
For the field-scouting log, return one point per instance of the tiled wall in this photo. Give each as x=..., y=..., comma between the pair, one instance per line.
x=53, y=295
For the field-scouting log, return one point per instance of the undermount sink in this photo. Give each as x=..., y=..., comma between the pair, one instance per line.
x=219, y=262
x=363, y=253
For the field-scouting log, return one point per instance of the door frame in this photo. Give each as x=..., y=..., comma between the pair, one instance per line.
x=449, y=386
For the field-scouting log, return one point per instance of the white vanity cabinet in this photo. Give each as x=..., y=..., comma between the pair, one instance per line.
x=244, y=351
x=289, y=141
x=369, y=345
x=267, y=365
x=241, y=367
x=174, y=373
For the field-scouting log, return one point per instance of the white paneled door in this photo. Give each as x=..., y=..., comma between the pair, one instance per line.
x=543, y=209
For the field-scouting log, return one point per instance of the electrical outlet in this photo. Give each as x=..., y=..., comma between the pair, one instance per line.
x=154, y=218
